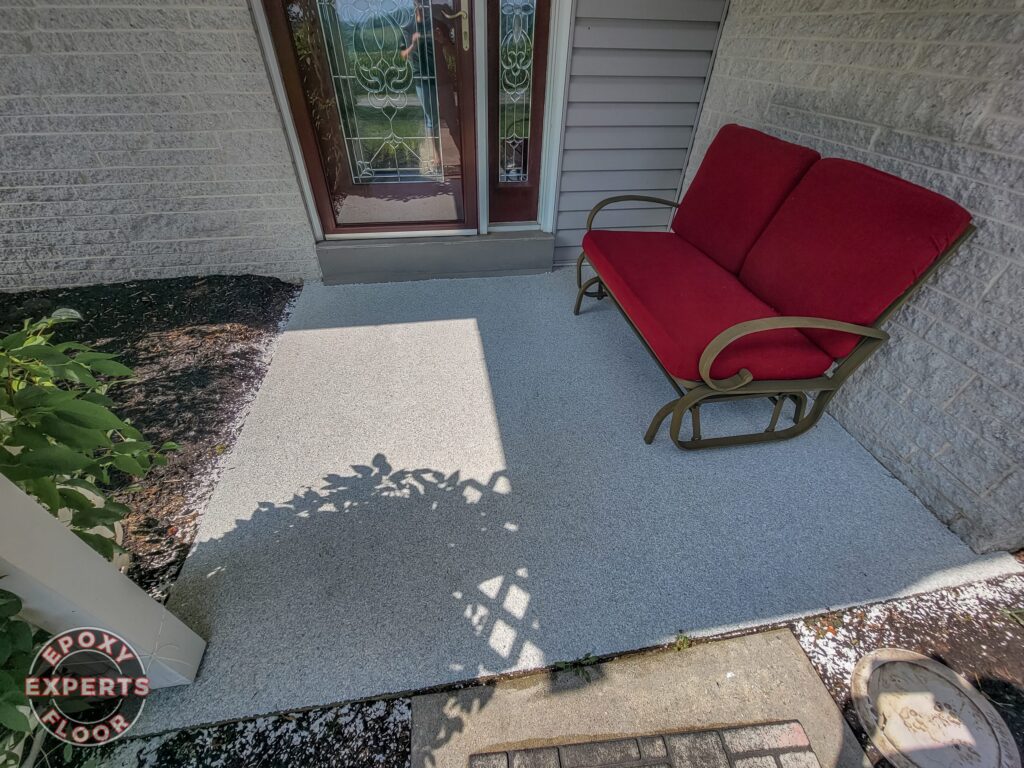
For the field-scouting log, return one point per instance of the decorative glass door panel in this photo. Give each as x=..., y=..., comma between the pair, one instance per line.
x=384, y=112
x=518, y=40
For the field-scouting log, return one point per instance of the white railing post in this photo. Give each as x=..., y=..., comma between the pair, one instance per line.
x=64, y=584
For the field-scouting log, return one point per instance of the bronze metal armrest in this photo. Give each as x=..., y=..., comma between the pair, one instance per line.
x=731, y=334
x=624, y=198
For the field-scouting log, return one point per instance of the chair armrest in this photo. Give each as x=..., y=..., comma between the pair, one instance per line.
x=731, y=334
x=624, y=198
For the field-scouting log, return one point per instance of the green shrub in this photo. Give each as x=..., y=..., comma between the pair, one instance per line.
x=18, y=645
x=59, y=440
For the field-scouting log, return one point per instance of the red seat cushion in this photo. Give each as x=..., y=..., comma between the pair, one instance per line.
x=742, y=181
x=848, y=242
x=679, y=300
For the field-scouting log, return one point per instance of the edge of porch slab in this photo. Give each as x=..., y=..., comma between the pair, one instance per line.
x=496, y=254
x=758, y=678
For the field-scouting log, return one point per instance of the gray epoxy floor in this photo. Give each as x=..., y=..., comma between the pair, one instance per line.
x=445, y=479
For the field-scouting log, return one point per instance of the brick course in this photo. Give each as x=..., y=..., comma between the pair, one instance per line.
x=141, y=139
x=772, y=745
x=933, y=91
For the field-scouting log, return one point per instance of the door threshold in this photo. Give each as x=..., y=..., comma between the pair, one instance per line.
x=427, y=258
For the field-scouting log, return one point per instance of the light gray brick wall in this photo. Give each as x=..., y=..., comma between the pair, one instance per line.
x=138, y=139
x=933, y=91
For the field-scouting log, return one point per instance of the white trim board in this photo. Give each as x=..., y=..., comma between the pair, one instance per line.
x=556, y=102
x=287, y=121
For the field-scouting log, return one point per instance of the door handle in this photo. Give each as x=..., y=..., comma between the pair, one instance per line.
x=464, y=15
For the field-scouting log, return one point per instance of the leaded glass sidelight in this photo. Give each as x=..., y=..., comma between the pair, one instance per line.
x=515, y=83
x=381, y=57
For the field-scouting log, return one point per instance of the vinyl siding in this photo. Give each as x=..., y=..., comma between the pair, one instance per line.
x=636, y=77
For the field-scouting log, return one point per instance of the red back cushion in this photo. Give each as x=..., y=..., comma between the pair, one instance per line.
x=847, y=243
x=742, y=181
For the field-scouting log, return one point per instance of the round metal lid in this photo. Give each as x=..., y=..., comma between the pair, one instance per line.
x=921, y=714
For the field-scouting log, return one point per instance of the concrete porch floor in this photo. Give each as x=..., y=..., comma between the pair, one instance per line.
x=446, y=479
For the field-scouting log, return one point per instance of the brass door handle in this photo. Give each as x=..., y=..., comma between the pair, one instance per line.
x=464, y=15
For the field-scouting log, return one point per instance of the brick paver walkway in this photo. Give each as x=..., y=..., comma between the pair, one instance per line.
x=767, y=745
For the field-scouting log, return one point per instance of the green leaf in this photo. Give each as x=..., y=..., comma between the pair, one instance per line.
x=72, y=499
x=19, y=664
x=117, y=508
x=14, y=696
x=68, y=752
x=111, y=368
x=12, y=719
x=28, y=437
x=5, y=650
x=44, y=489
x=21, y=636
x=66, y=314
x=10, y=604
x=131, y=447
x=71, y=346
x=91, y=518
x=131, y=433
x=99, y=399
x=169, y=446
x=82, y=485
x=20, y=473
x=14, y=340
x=77, y=373
x=44, y=353
x=72, y=435
x=101, y=544
x=89, y=356
x=55, y=459
x=128, y=465
x=88, y=414
x=34, y=396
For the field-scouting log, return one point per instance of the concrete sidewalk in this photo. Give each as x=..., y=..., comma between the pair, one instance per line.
x=755, y=698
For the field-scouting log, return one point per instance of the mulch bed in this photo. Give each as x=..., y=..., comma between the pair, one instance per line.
x=971, y=629
x=199, y=348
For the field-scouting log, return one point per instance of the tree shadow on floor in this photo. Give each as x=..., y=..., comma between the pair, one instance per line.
x=338, y=552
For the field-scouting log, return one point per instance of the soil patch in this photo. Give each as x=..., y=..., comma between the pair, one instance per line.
x=977, y=630
x=200, y=348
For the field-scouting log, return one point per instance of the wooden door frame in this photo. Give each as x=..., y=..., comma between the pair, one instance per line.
x=563, y=13
x=283, y=50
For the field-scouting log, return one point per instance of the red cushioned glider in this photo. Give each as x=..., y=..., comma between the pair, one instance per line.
x=742, y=181
x=847, y=242
x=679, y=300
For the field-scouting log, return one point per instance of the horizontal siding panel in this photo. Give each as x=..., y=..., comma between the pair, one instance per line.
x=621, y=114
x=617, y=137
x=637, y=75
x=611, y=182
x=623, y=160
x=629, y=89
x=633, y=63
x=566, y=238
x=644, y=34
x=674, y=10
x=584, y=201
x=610, y=218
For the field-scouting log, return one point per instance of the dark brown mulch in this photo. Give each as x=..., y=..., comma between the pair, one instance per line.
x=198, y=347
x=972, y=629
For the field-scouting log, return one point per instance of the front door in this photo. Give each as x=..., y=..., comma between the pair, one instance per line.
x=382, y=96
